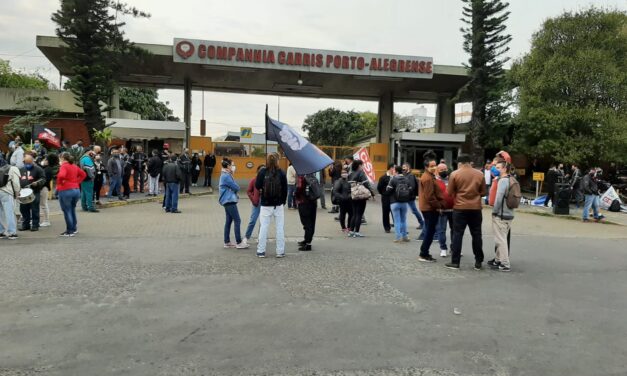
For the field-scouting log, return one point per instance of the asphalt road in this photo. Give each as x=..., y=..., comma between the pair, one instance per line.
x=141, y=292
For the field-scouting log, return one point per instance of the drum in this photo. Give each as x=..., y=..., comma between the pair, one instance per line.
x=26, y=196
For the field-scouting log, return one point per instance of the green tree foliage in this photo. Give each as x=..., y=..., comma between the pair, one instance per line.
x=16, y=80
x=96, y=49
x=572, y=89
x=486, y=41
x=333, y=127
x=146, y=103
x=38, y=112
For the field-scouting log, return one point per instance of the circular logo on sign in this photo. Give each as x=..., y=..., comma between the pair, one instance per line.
x=184, y=49
x=250, y=164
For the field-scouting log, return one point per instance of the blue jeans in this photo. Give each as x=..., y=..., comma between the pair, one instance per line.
x=172, y=197
x=291, y=188
x=399, y=213
x=232, y=215
x=591, y=201
x=414, y=209
x=7, y=214
x=115, y=184
x=68, y=200
x=440, y=229
x=253, y=221
x=431, y=221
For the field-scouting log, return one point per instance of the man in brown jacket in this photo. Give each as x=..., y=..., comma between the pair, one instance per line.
x=431, y=201
x=466, y=185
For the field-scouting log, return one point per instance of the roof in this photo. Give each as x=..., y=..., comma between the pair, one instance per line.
x=145, y=129
x=430, y=138
x=256, y=139
x=159, y=70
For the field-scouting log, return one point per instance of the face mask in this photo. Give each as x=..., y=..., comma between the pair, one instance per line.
x=432, y=169
x=116, y=156
x=29, y=166
x=494, y=171
x=443, y=174
x=233, y=168
x=37, y=146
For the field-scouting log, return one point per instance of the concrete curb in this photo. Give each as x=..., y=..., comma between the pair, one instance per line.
x=571, y=217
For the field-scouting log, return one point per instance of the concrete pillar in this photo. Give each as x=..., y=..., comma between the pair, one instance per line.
x=115, y=103
x=187, y=110
x=386, y=121
x=445, y=115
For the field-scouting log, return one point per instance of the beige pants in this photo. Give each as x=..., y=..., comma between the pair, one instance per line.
x=500, y=228
x=44, y=209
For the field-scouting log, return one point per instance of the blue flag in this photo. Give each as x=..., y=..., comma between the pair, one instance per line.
x=305, y=156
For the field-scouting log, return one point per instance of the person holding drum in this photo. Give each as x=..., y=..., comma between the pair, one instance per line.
x=9, y=190
x=32, y=180
x=69, y=178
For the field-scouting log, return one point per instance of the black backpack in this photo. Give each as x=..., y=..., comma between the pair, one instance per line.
x=403, y=190
x=4, y=175
x=272, y=185
x=312, y=188
x=615, y=206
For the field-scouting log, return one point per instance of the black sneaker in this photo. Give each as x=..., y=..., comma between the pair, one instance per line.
x=12, y=237
x=65, y=234
x=427, y=258
x=175, y=211
x=504, y=268
x=450, y=265
x=34, y=228
x=305, y=247
x=478, y=266
x=94, y=211
x=24, y=228
x=3, y=236
x=302, y=242
x=261, y=255
x=494, y=264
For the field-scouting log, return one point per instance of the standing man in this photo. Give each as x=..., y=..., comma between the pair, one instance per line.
x=321, y=176
x=575, y=185
x=551, y=179
x=591, y=193
x=115, y=170
x=413, y=183
x=210, y=163
x=33, y=177
x=139, y=165
x=466, y=186
x=291, y=186
x=399, y=193
x=502, y=217
x=431, y=202
x=487, y=174
x=185, y=164
x=17, y=157
x=307, y=206
x=127, y=169
x=272, y=185
x=335, y=172
x=86, y=164
x=40, y=151
x=382, y=185
x=154, y=170
x=172, y=177
x=446, y=214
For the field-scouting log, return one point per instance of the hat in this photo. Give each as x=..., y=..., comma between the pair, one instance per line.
x=505, y=155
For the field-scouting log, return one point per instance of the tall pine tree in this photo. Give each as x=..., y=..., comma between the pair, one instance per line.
x=95, y=48
x=486, y=41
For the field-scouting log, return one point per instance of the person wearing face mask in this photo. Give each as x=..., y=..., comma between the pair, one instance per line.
x=446, y=214
x=33, y=177
x=172, y=177
x=399, y=191
x=590, y=187
x=99, y=180
x=413, y=183
x=228, y=198
x=342, y=192
x=86, y=163
x=494, y=172
x=382, y=185
x=40, y=151
x=185, y=164
x=51, y=169
x=431, y=201
x=115, y=170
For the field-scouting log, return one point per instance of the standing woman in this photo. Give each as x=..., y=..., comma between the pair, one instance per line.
x=69, y=179
x=51, y=169
x=228, y=199
x=196, y=164
x=359, y=181
x=342, y=195
x=101, y=172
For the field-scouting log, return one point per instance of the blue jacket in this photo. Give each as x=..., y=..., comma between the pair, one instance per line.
x=228, y=189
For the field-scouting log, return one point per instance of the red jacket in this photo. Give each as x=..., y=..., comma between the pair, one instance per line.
x=253, y=192
x=448, y=200
x=70, y=176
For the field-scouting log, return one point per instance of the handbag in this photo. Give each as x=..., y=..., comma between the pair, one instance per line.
x=359, y=191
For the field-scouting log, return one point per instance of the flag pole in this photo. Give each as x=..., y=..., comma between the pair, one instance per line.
x=266, y=125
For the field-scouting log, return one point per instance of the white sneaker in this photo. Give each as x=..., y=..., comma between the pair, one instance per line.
x=443, y=253
x=242, y=245
x=44, y=224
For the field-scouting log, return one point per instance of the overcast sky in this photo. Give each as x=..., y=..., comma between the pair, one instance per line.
x=404, y=27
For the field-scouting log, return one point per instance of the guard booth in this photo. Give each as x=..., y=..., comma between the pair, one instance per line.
x=410, y=147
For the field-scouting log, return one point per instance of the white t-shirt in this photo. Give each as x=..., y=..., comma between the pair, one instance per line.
x=488, y=176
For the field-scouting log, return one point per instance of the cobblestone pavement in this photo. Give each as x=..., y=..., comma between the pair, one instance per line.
x=142, y=292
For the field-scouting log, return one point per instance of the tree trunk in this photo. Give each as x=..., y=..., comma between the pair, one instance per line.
x=477, y=153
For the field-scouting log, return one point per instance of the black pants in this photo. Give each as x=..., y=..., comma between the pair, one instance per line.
x=307, y=212
x=385, y=206
x=125, y=184
x=195, y=174
x=549, y=197
x=359, y=207
x=208, y=172
x=185, y=183
x=346, y=208
x=138, y=176
x=431, y=218
x=97, y=188
x=30, y=212
x=472, y=219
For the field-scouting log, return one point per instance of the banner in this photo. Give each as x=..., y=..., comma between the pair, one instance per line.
x=46, y=136
x=608, y=197
x=305, y=156
x=362, y=155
